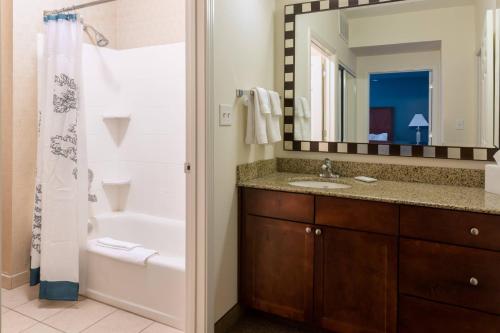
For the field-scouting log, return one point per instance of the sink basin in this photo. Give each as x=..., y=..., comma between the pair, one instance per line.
x=320, y=185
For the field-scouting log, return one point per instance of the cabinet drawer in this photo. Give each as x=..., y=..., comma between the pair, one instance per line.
x=450, y=274
x=461, y=228
x=280, y=205
x=358, y=215
x=417, y=316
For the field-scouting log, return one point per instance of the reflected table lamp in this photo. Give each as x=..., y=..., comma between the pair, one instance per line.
x=419, y=121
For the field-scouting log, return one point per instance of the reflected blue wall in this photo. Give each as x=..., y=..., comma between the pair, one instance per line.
x=408, y=94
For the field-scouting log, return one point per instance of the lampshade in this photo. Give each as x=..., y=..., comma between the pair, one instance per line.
x=418, y=121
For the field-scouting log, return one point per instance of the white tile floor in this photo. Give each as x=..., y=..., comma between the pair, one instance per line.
x=23, y=312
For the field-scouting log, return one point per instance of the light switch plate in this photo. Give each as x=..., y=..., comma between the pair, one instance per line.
x=460, y=124
x=225, y=115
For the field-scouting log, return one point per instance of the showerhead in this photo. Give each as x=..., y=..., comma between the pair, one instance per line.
x=100, y=39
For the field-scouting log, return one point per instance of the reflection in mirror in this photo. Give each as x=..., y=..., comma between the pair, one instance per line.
x=411, y=73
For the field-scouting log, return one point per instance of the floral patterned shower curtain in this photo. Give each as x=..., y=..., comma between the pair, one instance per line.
x=60, y=213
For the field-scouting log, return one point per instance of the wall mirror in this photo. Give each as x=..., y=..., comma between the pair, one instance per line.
x=407, y=78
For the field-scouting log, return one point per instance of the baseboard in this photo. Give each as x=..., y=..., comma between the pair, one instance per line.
x=15, y=280
x=229, y=319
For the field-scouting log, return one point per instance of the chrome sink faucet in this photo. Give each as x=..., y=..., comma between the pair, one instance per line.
x=327, y=170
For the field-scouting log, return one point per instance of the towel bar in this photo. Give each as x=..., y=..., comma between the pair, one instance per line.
x=241, y=93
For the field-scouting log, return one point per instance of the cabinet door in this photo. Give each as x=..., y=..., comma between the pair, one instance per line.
x=355, y=281
x=277, y=268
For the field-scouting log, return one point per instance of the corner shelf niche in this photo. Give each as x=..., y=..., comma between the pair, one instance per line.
x=117, y=124
x=116, y=116
x=116, y=190
x=116, y=182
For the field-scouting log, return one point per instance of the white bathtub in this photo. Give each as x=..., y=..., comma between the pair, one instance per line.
x=155, y=291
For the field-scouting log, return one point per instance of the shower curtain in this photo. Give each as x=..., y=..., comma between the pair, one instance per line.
x=60, y=213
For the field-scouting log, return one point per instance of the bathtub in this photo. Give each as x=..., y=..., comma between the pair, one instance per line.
x=157, y=290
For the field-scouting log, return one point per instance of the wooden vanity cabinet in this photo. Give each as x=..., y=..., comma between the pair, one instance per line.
x=353, y=266
x=278, y=267
x=355, y=281
x=277, y=253
x=337, y=279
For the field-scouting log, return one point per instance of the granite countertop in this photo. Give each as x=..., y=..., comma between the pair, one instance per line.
x=471, y=199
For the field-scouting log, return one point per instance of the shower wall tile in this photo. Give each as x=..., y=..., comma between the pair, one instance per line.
x=157, y=189
x=101, y=148
x=104, y=170
x=151, y=148
x=149, y=85
x=152, y=121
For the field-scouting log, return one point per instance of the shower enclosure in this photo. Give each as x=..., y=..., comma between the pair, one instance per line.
x=136, y=128
x=132, y=98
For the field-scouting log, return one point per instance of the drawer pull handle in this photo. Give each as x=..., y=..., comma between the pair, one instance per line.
x=474, y=282
x=474, y=232
x=318, y=232
x=308, y=230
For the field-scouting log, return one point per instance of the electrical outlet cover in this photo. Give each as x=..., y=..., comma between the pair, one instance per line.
x=225, y=115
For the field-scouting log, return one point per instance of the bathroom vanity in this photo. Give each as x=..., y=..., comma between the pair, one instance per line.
x=384, y=257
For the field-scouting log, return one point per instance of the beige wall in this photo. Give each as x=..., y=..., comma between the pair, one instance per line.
x=126, y=24
x=149, y=22
x=244, y=52
x=279, y=59
x=6, y=131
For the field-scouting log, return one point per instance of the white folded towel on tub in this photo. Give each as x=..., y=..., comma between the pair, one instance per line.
x=116, y=244
x=137, y=255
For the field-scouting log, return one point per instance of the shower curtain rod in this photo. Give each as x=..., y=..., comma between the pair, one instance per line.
x=71, y=8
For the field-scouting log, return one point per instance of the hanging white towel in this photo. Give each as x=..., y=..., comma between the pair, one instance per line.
x=275, y=103
x=137, y=256
x=273, y=119
x=298, y=120
x=302, y=120
x=264, y=100
x=306, y=107
x=260, y=122
x=250, y=138
x=299, y=108
x=116, y=244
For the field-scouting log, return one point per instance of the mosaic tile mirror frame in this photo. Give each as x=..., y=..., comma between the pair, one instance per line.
x=292, y=12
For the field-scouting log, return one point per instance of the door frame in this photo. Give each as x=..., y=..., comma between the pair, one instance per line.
x=199, y=156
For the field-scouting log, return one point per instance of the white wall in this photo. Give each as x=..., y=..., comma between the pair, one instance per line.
x=149, y=85
x=244, y=58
